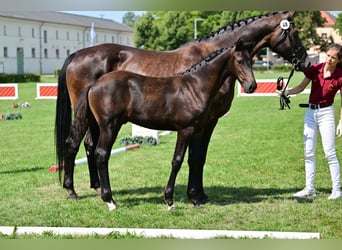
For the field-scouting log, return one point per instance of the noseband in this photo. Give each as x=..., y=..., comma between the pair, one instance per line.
x=296, y=50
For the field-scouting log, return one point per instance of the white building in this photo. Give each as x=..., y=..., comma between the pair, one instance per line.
x=39, y=41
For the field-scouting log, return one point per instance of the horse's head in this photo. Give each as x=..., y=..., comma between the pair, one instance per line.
x=242, y=66
x=285, y=41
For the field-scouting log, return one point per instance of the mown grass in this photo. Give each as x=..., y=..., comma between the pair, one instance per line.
x=254, y=165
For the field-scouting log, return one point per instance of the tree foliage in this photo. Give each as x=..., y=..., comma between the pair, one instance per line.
x=306, y=23
x=166, y=30
x=130, y=19
x=338, y=24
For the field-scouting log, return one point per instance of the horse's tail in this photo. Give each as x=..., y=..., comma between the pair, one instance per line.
x=77, y=130
x=63, y=113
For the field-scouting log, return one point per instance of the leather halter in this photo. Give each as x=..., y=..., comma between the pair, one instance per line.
x=285, y=25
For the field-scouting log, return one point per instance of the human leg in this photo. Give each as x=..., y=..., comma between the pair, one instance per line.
x=310, y=139
x=326, y=121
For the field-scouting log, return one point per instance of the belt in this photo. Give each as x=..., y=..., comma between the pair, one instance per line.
x=313, y=106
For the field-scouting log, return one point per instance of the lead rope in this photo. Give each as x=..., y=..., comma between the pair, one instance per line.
x=284, y=100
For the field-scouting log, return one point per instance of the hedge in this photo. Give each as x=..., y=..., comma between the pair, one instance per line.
x=13, y=78
x=280, y=67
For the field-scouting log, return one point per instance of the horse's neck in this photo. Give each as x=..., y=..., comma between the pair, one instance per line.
x=256, y=32
x=213, y=74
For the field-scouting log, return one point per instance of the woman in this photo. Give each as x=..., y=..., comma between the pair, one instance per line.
x=326, y=80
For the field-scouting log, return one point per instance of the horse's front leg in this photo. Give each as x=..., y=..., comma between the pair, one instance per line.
x=178, y=157
x=198, y=148
x=89, y=143
x=102, y=154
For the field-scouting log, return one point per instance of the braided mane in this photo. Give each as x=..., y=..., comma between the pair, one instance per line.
x=205, y=60
x=237, y=24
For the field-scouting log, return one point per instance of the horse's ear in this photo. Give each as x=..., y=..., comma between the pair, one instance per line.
x=292, y=13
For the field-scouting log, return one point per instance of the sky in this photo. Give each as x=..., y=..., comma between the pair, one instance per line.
x=112, y=15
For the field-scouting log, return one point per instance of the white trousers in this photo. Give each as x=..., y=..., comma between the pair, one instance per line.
x=322, y=121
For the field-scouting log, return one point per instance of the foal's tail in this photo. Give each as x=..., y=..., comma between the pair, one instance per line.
x=63, y=113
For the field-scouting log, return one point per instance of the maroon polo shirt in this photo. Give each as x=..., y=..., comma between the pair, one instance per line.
x=323, y=90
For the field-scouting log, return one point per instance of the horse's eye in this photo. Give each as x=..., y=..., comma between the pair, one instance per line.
x=240, y=62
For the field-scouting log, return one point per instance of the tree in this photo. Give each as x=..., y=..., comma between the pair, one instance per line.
x=130, y=18
x=174, y=30
x=165, y=30
x=306, y=23
x=146, y=31
x=338, y=24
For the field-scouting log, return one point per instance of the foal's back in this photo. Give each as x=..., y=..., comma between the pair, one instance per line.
x=158, y=103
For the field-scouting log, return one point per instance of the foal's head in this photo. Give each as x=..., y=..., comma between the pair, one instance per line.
x=241, y=66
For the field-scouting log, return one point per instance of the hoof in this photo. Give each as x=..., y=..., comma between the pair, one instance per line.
x=197, y=198
x=170, y=208
x=72, y=196
x=198, y=206
x=111, y=206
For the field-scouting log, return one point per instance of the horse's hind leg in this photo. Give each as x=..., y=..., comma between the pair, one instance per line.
x=90, y=143
x=72, y=145
x=177, y=161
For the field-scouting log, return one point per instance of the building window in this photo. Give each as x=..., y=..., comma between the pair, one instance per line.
x=5, y=52
x=105, y=38
x=57, y=35
x=78, y=36
x=33, y=33
x=33, y=52
x=57, y=53
x=67, y=34
x=45, y=53
x=45, y=36
x=5, y=30
x=68, y=52
x=19, y=31
x=113, y=39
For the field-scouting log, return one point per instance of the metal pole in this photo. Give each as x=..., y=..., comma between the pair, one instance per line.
x=195, y=26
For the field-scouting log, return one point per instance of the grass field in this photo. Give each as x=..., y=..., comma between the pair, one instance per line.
x=254, y=165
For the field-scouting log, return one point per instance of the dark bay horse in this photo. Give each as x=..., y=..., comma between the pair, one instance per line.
x=180, y=103
x=82, y=68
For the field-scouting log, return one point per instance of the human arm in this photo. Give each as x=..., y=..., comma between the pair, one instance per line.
x=299, y=88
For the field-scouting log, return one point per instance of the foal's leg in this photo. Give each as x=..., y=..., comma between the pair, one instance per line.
x=102, y=154
x=90, y=143
x=178, y=157
x=198, y=148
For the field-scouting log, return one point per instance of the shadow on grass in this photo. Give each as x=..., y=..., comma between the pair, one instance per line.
x=24, y=170
x=218, y=195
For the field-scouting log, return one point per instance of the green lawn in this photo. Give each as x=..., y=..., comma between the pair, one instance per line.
x=254, y=165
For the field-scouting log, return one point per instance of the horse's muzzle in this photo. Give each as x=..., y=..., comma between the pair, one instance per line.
x=303, y=66
x=249, y=87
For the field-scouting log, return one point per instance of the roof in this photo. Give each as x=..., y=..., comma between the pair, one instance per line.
x=330, y=19
x=66, y=18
